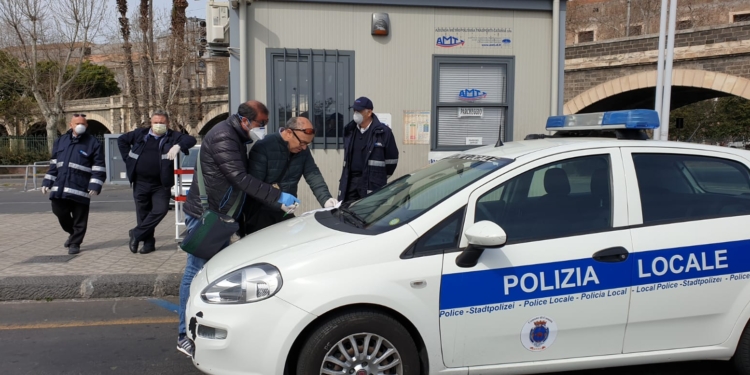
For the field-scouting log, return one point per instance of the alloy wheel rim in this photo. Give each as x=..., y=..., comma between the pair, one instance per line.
x=362, y=354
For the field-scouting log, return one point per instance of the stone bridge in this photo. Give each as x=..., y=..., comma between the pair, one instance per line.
x=113, y=114
x=621, y=73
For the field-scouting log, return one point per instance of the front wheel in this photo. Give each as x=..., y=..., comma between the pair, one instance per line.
x=741, y=357
x=362, y=342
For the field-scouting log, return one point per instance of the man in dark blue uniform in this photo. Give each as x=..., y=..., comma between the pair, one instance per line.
x=370, y=153
x=76, y=173
x=149, y=154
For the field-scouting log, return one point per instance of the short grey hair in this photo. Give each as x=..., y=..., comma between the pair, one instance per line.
x=160, y=112
x=294, y=123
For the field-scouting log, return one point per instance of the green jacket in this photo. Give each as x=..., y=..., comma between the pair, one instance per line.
x=268, y=159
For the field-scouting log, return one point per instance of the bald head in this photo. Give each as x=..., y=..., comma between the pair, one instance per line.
x=296, y=134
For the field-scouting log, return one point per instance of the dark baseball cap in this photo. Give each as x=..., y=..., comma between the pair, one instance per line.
x=362, y=103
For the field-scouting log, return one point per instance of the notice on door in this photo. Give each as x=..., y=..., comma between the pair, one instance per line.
x=470, y=112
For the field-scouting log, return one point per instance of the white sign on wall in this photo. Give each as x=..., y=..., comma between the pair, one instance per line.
x=385, y=119
x=470, y=112
x=473, y=141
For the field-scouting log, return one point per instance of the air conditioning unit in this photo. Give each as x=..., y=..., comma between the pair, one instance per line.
x=217, y=24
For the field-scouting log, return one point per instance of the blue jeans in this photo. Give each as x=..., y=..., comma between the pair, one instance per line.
x=193, y=265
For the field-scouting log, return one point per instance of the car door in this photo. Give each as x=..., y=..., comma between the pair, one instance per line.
x=559, y=287
x=691, y=261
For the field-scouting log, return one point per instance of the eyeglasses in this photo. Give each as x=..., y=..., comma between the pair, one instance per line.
x=303, y=144
x=79, y=115
x=308, y=131
x=262, y=123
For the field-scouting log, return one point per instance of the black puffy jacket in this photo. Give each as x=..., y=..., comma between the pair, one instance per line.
x=270, y=158
x=131, y=145
x=224, y=163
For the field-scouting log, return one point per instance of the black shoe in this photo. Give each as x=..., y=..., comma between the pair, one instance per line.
x=149, y=245
x=133, y=242
x=67, y=242
x=74, y=249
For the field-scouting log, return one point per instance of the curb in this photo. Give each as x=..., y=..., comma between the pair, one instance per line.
x=92, y=286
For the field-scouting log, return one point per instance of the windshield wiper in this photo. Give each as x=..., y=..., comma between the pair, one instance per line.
x=360, y=222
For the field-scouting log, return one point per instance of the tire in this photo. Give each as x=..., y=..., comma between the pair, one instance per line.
x=365, y=326
x=741, y=359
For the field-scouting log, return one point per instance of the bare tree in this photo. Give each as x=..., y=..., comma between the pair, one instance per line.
x=58, y=31
x=147, y=79
x=122, y=8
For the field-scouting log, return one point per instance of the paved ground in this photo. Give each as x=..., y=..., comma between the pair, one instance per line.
x=32, y=256
x=125, y=336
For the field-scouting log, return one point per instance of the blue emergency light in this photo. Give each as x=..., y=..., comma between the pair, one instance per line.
x=631, y=119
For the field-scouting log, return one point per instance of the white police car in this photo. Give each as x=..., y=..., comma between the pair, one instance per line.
x=541, y=255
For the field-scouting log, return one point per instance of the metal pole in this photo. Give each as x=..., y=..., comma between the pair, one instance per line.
x=555, y=55
x=660, y=63
x=664, y=127
x=627, y=26
x=243, y=51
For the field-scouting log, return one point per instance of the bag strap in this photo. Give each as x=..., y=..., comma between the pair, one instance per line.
x=204, y=196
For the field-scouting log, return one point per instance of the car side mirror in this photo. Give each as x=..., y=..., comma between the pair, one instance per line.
x=481, y=235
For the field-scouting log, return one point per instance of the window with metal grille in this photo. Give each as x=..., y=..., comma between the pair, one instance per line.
x=472, y=101
x=745, y=17
x=635, y=30
x=316, y=84
x=684, y=24
x=585, y=36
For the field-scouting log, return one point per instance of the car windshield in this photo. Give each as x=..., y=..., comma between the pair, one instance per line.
x=410, y=196
x=189, y=160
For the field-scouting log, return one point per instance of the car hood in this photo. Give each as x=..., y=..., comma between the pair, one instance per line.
x=303, y=235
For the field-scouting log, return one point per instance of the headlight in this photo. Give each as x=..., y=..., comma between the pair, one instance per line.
x=250, y=284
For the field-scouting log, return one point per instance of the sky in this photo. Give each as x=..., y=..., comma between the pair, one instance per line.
x=196, y=8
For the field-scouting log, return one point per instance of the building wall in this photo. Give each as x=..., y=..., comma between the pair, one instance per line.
x=396, y=71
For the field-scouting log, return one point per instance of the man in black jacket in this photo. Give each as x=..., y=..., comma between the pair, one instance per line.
x=76, y=173
x=149, y=155
x=370, y=153
x=282, y=159
x=224, y=164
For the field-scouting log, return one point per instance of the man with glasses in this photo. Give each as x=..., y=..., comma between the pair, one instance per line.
x=370, y=153
x=149, y=154
x=282, y=159
x=76, y=173
x=224, y=164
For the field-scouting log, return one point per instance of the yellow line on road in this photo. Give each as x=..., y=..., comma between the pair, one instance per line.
x=116, y=322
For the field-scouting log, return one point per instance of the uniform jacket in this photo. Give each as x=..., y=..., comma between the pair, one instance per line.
x=77, y=167
x=382, y=157
x=224, y=163
x=270, y=157
x=131, y=145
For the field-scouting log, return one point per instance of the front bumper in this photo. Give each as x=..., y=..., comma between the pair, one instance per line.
x=259, y=335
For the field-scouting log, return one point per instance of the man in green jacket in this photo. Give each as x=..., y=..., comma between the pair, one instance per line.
x=282, y=159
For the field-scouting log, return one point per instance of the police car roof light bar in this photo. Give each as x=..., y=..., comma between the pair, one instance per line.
x=630, y=119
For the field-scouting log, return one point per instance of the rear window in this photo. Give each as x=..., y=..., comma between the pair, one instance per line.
x=190, y=160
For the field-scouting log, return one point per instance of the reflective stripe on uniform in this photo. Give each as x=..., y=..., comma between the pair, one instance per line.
x=133, y=155
x=53, y=162
x=60, y=164
x=376, y=163
x=391, y=161
x=79, y=167
x=164, y=156
x=50, y=177
x=95, y=181
x=54, y=188
x=76, y=192
x=99, y=169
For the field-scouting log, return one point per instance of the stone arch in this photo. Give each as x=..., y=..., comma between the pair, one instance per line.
x=719, y=84
x=95, y=117
x=4, y=130
x=221, y=110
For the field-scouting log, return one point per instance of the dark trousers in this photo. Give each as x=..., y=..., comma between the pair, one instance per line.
x=151, y=206
x=352, y=191
x=73, y=218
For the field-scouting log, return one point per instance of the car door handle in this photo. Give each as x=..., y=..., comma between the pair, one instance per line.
x=611, y=255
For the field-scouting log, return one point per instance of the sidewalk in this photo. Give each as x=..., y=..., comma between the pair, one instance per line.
x=34, y=264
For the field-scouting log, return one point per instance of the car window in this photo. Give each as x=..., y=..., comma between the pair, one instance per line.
x=564, y=198
x=406, y=198
x=188, y=161
x=443, y=236
x=690, y=187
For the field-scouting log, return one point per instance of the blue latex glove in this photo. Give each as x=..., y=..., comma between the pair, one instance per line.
x=288, y=199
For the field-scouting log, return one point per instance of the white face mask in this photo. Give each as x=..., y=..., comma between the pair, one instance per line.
x=358, y=118
x=159, y=129
x=257, y=134
x=80, y=129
